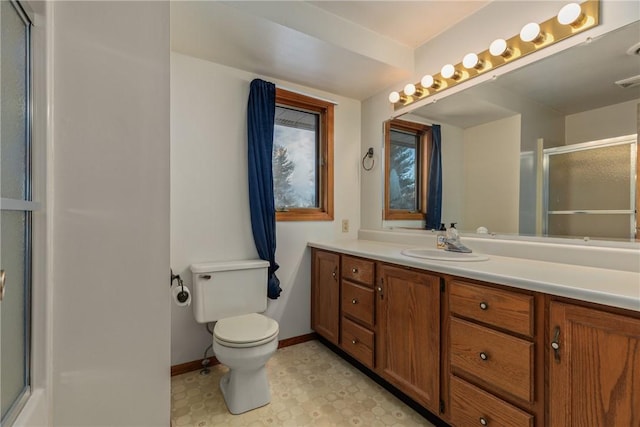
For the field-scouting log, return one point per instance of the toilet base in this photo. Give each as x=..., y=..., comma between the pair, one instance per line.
x=245, y=390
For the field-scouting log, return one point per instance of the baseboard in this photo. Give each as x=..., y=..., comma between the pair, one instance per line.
x=196, y=365
x=297, y=340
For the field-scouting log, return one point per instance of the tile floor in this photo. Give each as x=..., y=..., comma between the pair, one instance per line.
x=310, y=386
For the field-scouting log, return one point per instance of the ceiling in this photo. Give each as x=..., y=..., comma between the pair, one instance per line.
x=351, y=48
x=407, y=22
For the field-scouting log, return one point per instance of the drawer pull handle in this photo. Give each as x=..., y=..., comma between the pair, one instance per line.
x=354, y=341
x=484, y=356
x=354, y=301
x=484, y=421
x=354, y=270
x=3, y=278
x=484, y=306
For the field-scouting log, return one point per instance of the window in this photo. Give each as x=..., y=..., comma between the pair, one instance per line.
x=303, y=158
x=407, y=147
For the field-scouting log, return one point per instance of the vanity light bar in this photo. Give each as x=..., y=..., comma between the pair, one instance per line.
x=572, y=19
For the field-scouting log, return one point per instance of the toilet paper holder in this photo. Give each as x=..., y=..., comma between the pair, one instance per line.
x=182, y=295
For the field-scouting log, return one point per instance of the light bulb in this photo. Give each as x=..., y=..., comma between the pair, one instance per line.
x=571, y=14
x=429, y=82
x=449, y=71
x=499, y=48
x=394, y=97
x=531, y=33
x=471, y=60
x=409, y=89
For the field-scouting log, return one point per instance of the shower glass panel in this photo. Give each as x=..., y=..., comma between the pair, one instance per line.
x=13, y=66
x=590, y=189
x=13, y=332
x=16, y=207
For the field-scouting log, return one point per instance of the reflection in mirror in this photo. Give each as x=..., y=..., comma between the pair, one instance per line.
x=496, y=136
x=407, y=145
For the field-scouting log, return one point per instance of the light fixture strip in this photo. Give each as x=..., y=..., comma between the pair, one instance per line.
x=553, y=30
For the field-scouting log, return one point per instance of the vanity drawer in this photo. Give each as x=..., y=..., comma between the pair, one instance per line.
x=501, y=360
x=358, y=270
x=358, y=302
x=504, y=309
x=357, y=341
x=471, y=406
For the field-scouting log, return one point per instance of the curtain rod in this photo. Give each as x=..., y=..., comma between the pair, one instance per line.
x=306, y=94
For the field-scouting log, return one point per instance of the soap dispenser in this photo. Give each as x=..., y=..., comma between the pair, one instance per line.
x=452, y=233
x=441, y=236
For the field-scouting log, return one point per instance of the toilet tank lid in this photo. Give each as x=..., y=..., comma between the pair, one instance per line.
x=207, y=267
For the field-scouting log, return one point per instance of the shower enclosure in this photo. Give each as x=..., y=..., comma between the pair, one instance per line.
x=590, y=189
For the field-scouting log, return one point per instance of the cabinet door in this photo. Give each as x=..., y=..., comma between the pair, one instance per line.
x=594, y=370
x=408, y=345
x=325, y=294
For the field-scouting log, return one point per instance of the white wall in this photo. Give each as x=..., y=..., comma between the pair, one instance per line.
x=453, y=174
x=492, y=176
x=110, y=206
x=210, y=218
x=607, y=122
x=375, y=111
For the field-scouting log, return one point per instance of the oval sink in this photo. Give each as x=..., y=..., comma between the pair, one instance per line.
x=442, y=255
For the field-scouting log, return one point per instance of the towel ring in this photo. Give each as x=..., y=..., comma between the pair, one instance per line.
x=368, y=154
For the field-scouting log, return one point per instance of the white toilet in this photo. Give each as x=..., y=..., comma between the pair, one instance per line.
x=233, y=293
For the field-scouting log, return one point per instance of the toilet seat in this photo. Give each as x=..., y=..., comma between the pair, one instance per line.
x=248, y=330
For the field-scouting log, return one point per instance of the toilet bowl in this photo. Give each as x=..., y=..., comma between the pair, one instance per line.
x=244, y=344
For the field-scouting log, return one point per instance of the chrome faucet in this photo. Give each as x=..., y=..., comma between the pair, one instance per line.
x=455, y=245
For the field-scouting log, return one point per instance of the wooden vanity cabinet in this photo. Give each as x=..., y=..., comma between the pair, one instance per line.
x=357, y=309
x=594, y=367
x=477, y=353
x=325, y=294
x=494, y=351
x=408, y=332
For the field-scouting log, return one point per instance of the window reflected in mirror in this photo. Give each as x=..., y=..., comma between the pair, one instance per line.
x=407, y=146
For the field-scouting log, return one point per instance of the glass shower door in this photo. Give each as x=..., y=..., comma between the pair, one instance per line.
x=16, y=207
x=591, y=189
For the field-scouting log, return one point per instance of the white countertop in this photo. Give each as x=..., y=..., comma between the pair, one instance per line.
x=599, y=285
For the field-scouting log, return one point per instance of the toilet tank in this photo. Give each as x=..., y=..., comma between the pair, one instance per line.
x=229, y=288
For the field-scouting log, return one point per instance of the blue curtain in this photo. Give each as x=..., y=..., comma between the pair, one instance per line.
x=434, y=192
x=260, y=125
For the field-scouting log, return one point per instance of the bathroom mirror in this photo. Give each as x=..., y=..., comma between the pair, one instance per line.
x=500, y=139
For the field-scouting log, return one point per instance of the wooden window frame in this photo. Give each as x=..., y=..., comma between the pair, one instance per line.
x=324, y=109
x=424, y=149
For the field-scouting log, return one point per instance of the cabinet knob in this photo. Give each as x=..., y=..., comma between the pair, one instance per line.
x=484, y=356
x=334, y=273
x=484, y=421
x=354, y=341
x=354, y=270
x=484, y=306
x=555, y=344
x=354, y=301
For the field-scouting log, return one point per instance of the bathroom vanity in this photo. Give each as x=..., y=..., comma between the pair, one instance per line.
x=502, y=342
